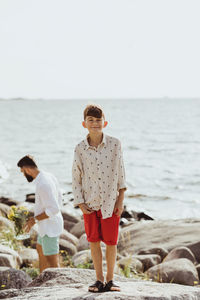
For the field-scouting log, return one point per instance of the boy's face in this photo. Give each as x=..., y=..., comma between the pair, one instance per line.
x=94, y=125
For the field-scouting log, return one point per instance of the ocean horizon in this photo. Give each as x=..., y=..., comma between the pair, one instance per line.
x=160, y=140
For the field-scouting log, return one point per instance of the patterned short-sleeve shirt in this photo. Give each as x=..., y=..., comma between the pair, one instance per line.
x=98, y=174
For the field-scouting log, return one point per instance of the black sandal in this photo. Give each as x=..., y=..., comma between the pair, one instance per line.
x=97, y=287
x=111, y=287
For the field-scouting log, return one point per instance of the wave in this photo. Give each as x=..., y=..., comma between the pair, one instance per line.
x=3, y=172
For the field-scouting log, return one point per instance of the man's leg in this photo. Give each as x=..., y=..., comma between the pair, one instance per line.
x=53, y=261
x=97, y=260
x=43, y=263
x=111, y=253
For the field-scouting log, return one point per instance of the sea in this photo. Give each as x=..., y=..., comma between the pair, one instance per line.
x=160, y=140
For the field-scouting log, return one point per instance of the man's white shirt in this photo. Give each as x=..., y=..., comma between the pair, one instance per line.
x=48, y=199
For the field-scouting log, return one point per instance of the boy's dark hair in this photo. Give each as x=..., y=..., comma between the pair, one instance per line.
x=27, y=161
x=93, y=110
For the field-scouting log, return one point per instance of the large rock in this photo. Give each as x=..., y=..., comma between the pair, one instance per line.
x=133, y=263
x=16, y=257
x=7, y=260
x=158, y=250
x=4, y=210
x=82, y=257
x=180, y=252
x=13, y=278
x=8, y=201
x=68, y=284
x=198, y=270
x=28, y=256
x=69, y=217
x=195, y=248
x=68, y=225
x=67, y=236
x=83, y=243
x=69, y=247
x=5, y=224
x=148, y=260
x=167, y=234
x=180, y=271
x=78, y=229
x=30, y=198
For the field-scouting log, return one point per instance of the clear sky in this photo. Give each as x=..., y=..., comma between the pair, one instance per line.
x=99, y=48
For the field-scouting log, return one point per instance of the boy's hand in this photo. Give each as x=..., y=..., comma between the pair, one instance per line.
x=85, y=209
x=119, y=207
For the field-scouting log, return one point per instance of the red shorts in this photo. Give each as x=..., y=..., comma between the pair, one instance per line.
x=98, y=229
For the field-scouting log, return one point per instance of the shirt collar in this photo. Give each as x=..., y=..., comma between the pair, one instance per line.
x=88, y=145
x=37, y=179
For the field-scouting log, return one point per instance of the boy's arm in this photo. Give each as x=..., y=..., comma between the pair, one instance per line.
x=121, y=172
x=77, y=179
x=119, y=207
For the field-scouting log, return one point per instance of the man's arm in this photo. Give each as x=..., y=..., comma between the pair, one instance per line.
x=50, y=203
x=33, y=220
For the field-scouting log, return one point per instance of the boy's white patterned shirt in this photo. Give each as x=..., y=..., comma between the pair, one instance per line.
x=98, y=174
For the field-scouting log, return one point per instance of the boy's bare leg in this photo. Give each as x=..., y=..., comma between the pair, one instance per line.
x=53, y=261
x=111, y=253
x=43, y=264
x=97, y=260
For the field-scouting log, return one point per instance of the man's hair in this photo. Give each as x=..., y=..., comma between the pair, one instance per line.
x=27, y=161
x=93, y=110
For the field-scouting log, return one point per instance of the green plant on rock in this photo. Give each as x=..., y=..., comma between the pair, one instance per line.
x=7, y=238
x=32, y=272
x=66, y=259
x=86, y=265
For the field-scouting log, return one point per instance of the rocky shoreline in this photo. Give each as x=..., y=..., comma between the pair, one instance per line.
x=160, y=257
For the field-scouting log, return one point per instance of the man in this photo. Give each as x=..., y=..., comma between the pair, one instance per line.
x=47, y=213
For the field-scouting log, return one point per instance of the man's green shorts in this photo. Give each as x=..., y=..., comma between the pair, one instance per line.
x=50, y=245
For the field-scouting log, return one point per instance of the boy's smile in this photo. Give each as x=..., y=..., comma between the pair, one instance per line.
x=93, y=124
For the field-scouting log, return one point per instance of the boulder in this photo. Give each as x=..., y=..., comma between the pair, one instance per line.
x=5, y=224
x=198, y=270
x=167, y=234
x=28, y=256
x=69, y=217
x=159, y=251
x=8, y=201
x=30, y=198
x=148, y=260
x=82, y=257
x=83, y=243
x=195, y=248
x=180, y=252
x=13, y=278
x=7, y=260
x=67, y=236
x=66, y=276
x=67, y=284
x=78, y=229
x=4, y=210
x=68, y=225
x=69, y=247
x=133, y=263
x=16, y=257
x=181, y=271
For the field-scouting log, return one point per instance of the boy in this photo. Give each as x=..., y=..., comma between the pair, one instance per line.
x=47, y=213
x=98, y=182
